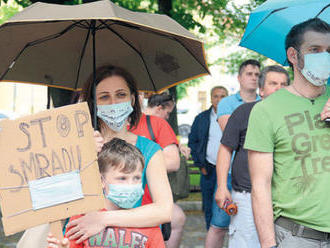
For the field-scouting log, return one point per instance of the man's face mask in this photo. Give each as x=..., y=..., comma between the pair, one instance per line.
x=115, y=115
x=125, y=195
x=317, y=68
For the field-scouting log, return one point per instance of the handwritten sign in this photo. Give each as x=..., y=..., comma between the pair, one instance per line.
x=44, y=145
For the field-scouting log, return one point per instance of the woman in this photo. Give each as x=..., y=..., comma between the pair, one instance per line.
x=117, y=104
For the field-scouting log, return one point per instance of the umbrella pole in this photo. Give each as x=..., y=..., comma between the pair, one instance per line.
x=94, y=77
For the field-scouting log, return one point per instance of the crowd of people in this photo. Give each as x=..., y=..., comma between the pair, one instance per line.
x=268, y=152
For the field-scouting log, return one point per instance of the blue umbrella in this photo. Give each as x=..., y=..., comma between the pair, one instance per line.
x=270, y=23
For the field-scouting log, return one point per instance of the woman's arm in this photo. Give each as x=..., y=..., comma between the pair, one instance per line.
x=148, y=215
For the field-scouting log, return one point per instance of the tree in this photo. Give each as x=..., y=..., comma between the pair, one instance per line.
x=228, y=21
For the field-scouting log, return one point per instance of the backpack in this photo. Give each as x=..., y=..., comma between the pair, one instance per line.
x=179, y=180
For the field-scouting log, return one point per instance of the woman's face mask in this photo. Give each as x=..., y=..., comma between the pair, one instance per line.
x=115, y=115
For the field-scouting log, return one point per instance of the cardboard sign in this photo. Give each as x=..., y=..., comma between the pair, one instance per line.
x=43, y=145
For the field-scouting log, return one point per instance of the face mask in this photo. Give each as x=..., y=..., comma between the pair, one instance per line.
x=317, y=68
x=125, y=195
x=115, y=115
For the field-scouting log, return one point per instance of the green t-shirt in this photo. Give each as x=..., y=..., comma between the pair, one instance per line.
x=291, y=128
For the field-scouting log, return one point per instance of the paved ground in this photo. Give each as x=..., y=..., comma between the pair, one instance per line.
x=194, y=230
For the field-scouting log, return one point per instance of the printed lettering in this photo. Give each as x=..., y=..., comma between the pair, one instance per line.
x=326, y=163
x=293, y=120
x=309, y=120
x=136, y=240
x=122, y=243
x=110, y=238
x=300, y=144
x=96, y=240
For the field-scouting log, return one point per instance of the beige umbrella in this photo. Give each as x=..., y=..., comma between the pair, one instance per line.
x=62, y=44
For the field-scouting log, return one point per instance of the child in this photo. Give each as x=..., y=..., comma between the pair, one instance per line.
x=121, y=165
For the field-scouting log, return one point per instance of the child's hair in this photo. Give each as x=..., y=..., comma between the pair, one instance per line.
x=117, y=152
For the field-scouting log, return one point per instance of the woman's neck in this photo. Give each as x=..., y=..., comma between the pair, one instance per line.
x=108, y=134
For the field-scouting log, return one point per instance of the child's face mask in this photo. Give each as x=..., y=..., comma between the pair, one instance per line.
x=125, y=195
x=115, y=115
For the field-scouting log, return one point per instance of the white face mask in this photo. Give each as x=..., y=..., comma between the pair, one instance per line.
x=115, y=115
x=317, y=68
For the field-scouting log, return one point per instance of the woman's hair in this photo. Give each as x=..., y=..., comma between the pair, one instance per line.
x=163, y=99
x=118, y=152
x=109, y=71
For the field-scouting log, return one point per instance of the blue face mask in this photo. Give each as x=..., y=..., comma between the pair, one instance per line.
x=125, y=195
x=115, y=115
x=317, y=68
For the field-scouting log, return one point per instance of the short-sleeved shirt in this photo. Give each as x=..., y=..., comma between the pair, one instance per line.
x=148, y=148
x=290, y=127
x=117, y=237
x=164, y=136
x=234, y=137
x=228, y=104
x=163, y=132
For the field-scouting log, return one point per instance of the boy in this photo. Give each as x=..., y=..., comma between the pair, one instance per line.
x=121, y=165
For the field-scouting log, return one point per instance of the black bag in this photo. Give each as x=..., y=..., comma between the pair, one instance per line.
x=180, y=181
x=166, y=231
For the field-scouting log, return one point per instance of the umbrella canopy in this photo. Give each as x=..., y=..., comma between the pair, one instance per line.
x=59, y=45
x=270, y=23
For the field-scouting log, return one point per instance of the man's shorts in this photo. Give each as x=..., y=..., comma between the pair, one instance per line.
x=220, y=219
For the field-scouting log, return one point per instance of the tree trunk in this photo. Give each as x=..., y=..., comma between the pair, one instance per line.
x=165, y=7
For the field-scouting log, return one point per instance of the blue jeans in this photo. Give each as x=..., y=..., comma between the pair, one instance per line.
x=220, y=218
x=208, y=184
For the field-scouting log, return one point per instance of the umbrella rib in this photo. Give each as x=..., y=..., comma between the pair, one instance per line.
x=123, y=39
x=165, y=36
x=81, y=57
x=274, y=11
x=32, y=43
x=327, y=6
x=53, y=36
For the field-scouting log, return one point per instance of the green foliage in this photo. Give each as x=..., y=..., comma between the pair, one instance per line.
x=181, y=89
x=228, y=21
x=7, y=11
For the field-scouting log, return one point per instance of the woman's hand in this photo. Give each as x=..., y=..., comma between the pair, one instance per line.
x=55, y=243
x=99, y=141
x=84, y=227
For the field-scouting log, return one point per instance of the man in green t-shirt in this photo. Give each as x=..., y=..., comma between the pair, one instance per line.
x=289, y=143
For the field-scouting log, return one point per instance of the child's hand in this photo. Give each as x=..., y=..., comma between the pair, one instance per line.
x=55, y=243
